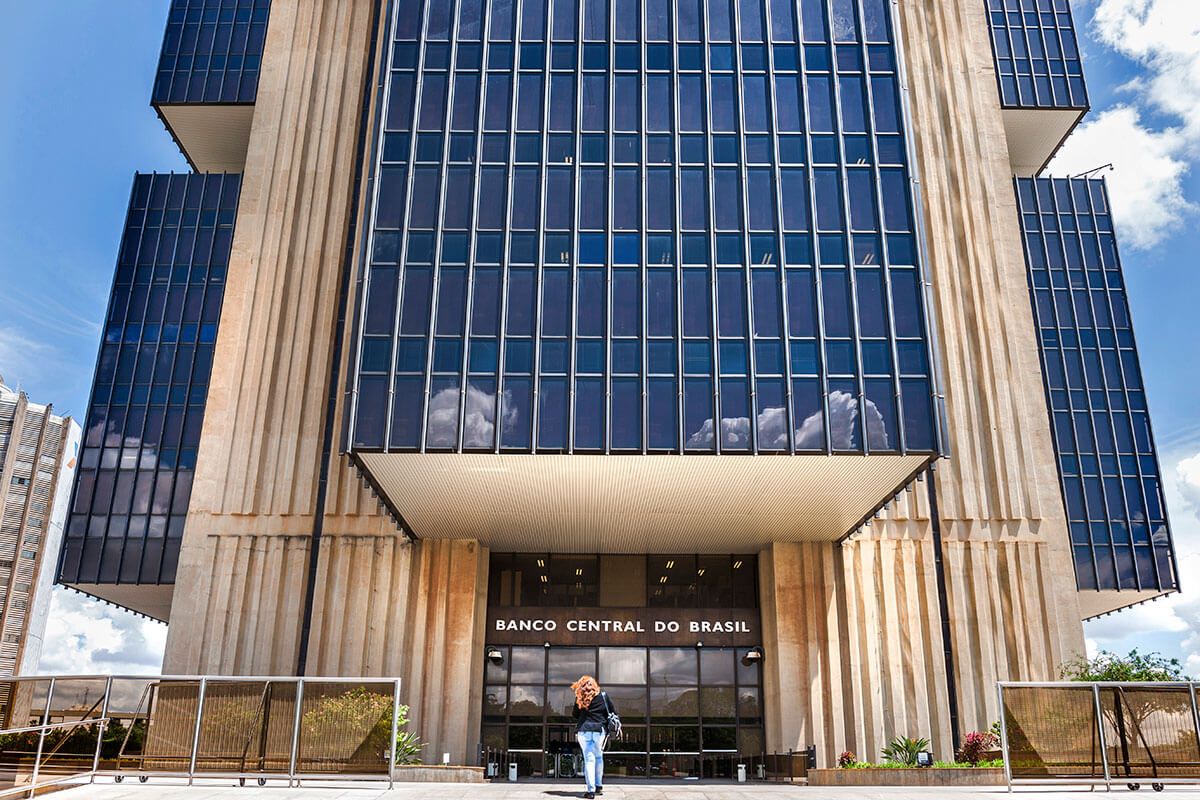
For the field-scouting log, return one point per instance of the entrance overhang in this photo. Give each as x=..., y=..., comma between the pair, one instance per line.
x=634, y=503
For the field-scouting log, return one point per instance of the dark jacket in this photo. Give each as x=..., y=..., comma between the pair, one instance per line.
x=594, y=716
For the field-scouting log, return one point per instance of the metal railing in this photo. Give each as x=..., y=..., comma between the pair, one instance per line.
x=74, y=728
x=790, y=766
x=1100, y=733
x=495, y=761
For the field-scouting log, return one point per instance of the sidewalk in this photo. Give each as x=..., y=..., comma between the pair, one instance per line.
x=166, y=790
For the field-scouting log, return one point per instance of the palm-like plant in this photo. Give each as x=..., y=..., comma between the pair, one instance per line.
x=904, y=749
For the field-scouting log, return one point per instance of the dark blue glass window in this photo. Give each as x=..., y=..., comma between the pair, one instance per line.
x=1107, y=462
x=212, y=51
x=1037, y=55
x=678, y=221
x=144, y=420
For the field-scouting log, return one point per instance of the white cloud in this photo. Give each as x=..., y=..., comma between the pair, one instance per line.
x=85, y=636
x=1153, y=137
x=1147, y=181
x=1163, y=36
x=21, y=358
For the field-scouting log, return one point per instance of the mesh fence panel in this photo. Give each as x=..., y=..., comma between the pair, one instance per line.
x=345, y=728
x=24, y=706
x=1052, y=732
x=171, y=725
x=1150, y=732
x=247, y=727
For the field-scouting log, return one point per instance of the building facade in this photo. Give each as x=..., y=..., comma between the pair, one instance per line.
x=39, y=452
x=729, y=350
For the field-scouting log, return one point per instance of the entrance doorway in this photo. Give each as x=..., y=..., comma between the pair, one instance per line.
x=687, y=711
x=665, y=635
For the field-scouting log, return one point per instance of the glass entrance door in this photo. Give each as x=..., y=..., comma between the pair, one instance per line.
x=687, y=712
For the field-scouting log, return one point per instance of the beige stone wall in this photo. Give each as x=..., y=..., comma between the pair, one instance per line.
x=413, y=610
x=253, y=501
x=383, y=606
x=854, y=643
x=1014, y=607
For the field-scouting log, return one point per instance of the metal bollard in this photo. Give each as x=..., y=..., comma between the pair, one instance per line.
x=741, y=773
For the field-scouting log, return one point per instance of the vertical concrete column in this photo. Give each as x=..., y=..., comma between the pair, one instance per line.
x=807, y=700
x=853, y=647
x=443, y=646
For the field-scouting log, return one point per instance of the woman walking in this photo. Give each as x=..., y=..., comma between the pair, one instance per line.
x=593, y=710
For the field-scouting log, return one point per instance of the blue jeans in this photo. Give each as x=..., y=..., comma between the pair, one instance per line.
x=592, y=745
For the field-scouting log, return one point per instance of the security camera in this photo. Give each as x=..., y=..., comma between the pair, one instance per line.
x=495, y=656
x=753, y=656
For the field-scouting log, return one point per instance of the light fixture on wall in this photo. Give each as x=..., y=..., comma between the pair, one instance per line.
x=495, y=656
x=753, y=656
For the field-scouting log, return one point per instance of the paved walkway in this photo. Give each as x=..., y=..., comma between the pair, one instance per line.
x=167, y=790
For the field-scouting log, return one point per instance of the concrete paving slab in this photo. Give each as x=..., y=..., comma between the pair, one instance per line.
x=228, y=790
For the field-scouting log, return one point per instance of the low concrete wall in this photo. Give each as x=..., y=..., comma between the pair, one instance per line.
x=906, y=777
x=438, y=774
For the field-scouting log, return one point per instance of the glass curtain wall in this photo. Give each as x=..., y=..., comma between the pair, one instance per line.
x=143, y=423
x=1037, y=55
x=636, y=226
x=1100, y=421
x=212, y=51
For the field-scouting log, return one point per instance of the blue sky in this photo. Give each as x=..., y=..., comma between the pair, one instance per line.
x=75, y=82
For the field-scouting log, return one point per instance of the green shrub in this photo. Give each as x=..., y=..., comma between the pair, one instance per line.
x=903, y=750
x=408, y=744
x=975, y=745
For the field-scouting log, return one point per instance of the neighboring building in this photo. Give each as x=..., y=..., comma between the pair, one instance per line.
x=38, y=455
x=687, y=343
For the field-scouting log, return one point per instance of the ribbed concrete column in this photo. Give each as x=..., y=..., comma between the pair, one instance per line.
x=853, y=647
x=1013, y=604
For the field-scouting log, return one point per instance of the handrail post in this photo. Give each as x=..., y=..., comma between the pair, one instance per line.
x=1195, y=710
x=1004, y=737
x=37, y=760
x=196, y=731
x=295, y=732
x=100, y=732
x=1103, y=739
x=395, y=733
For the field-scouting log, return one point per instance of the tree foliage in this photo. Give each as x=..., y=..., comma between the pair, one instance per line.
x=1135, y=667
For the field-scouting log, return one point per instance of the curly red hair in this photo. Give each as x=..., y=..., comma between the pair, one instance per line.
x=586, y=690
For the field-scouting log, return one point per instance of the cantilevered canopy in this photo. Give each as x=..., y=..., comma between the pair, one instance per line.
x=634, y=503
x=1035, y=134
x=213, y=136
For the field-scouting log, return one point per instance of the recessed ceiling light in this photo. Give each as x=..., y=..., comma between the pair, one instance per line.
x=671, y=564
x=737, y=565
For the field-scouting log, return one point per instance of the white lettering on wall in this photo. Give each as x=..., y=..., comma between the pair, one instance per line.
x=615, y=626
